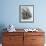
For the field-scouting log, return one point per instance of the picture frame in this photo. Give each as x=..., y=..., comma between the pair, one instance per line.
x=26, y=13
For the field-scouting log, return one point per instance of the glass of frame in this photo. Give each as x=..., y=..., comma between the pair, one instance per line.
x=26, y=13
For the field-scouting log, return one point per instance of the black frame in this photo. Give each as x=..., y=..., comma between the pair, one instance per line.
x=20, y=14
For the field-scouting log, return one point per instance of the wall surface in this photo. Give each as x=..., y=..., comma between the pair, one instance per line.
x=9, y=13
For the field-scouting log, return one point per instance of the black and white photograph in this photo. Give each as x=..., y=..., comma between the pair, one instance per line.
x=26, y=13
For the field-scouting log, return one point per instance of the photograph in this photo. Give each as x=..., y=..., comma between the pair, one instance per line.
x=26, y=13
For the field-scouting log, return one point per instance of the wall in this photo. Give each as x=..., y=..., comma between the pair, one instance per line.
x=9, y=13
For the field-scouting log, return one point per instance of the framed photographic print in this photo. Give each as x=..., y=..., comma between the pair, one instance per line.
x=26, y=13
